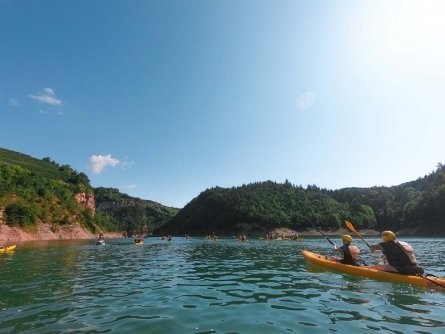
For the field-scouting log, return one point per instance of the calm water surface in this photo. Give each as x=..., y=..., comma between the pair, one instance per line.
x=201, y=286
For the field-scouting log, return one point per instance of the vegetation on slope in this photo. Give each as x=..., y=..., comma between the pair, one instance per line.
x=33, y=190
x=261, y=207
x=416, y=206
x=131, y=214
x=40, y=190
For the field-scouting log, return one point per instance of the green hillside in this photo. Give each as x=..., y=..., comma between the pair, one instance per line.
x=260, y=207
x=43, y=167
x=416, y=207
x=40, y=190
x=130, y=214
x=33, y=191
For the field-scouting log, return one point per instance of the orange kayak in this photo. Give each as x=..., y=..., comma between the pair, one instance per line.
x=364, y=271
x=7, y=249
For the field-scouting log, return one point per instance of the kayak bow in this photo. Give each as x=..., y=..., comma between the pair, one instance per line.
x=363, y=271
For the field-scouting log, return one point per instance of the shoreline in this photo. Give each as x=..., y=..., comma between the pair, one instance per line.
x=47, y=232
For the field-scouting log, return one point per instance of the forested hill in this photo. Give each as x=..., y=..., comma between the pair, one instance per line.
x=34, y=190
x=40, y=190
x=415, y=207
x=130, y=214
x=44, y=168
x=261, y=207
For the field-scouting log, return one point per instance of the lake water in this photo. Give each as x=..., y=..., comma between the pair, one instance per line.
x=203, y=286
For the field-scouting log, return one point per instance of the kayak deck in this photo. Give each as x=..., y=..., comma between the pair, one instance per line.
x=364, y=271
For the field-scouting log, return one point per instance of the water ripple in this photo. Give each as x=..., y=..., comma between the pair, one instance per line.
x=201, y=286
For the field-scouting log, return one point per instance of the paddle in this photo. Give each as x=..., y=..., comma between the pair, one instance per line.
x=325, y=236
x=432, y=281
x=352, y=228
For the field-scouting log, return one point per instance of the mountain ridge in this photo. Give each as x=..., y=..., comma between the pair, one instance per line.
x=40, y=190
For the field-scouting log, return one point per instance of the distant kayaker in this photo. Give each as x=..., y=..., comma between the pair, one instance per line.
x=349, y=253
x=100, y=239
x=399, y=255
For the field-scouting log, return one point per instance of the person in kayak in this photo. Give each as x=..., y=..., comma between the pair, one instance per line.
x=399, y=256
x=100, y=239
x=138, y=239
x=349, y=253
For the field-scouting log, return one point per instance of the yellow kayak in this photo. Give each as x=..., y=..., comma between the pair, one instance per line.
x=7, y=249
x=363, y=271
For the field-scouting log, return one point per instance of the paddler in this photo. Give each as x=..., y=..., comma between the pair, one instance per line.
x=100, y=239
x=399, y=256
x=349, y=253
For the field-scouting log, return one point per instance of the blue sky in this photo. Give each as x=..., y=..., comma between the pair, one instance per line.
x=164, y=99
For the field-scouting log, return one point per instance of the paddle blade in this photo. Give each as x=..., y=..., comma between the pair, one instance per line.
x=350, y=226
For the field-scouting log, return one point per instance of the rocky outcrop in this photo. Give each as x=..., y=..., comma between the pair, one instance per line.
x=86, y=199
x=44, y=232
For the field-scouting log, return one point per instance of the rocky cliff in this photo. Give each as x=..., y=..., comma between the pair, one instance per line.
x=86, y=199
x=45, y=231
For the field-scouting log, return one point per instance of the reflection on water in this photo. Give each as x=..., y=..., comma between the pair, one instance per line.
x=202, y=286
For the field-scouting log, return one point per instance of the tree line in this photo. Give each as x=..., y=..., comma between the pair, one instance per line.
x=40, y=190
x=414, y=206
x=129, y=214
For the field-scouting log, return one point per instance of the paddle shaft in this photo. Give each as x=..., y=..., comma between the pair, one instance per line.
x=441, y=285
x=325, y=237
x=360, y=236
x=352, y=228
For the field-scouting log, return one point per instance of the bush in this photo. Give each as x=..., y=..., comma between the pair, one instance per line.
x=20, y=214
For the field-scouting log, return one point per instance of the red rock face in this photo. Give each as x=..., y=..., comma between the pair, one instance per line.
x=86, y=199
x=44, y=231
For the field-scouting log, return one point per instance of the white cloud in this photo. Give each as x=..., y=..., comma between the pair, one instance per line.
x=305, y=100
x=48, y=97
x=131, y=186
x=14, y=102
x=51, y=112
x=49, y=91
x=99, y=162
x=125, y=164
